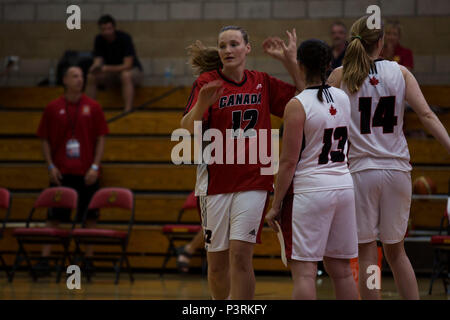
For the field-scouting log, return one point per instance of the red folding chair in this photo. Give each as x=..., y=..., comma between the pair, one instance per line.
x=441, y=244
x=179, y=231
x=5, y=205
x=107, y=198
x=56, y=197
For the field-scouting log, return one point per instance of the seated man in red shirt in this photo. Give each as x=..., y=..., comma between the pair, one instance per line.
x=73, y=130
x=392, y=49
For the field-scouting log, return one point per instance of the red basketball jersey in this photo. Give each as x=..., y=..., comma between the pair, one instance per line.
x=246, y=105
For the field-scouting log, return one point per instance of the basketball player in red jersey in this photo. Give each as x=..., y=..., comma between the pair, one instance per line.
x=314, y=197
x=378, y=154
x=233, y=196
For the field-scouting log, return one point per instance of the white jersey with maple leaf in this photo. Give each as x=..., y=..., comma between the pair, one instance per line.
x=376, y=130
x=322, y=161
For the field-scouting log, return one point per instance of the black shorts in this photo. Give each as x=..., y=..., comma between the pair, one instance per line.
x=85, y=194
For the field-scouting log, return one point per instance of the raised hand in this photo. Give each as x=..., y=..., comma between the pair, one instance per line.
x=210, y=92
x=277, y=48
x=290, y=50
x=272, y=46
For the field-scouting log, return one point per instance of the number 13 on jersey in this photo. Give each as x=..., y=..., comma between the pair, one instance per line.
x=340, y=134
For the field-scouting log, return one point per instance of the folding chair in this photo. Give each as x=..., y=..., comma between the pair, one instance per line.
x=441, y=244
x=56, y=197
x=5, y=204
x=107, y=198
x=179, y=231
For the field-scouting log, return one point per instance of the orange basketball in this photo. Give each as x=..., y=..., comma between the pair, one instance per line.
x=424, y=185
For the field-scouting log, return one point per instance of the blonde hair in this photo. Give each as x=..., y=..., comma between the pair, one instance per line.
x=204, y=59
x=393, y=24
x=356, y=63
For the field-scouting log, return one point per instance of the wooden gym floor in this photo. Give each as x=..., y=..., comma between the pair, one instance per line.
x=149, y=286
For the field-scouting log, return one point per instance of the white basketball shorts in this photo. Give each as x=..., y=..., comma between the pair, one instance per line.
x=383, y=201
x=320, y=223
x=232, y=216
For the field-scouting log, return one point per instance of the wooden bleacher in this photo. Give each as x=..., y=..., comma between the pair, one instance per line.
x=136, y=149
x=38, y=97
x=137, y=156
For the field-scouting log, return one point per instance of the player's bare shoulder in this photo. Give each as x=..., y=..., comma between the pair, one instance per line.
x=405, y=72
x=335, y=77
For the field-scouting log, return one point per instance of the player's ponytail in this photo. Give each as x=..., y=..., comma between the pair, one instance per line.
x=324, y=63
x=315, y=56
x=356, y=63
x=204, y=59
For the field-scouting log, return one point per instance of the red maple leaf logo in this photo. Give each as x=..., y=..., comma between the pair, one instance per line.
x=333, y=111
x=373, y=81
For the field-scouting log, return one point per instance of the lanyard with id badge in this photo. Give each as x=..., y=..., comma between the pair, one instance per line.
x=72, y=145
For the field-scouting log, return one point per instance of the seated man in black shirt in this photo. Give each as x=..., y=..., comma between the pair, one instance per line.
x=115, y=62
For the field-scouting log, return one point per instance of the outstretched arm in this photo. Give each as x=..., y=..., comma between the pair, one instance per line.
x=287, y=54
x=416, y=100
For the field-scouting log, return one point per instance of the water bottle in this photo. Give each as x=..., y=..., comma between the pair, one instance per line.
x=168, y=76
x=52, y=77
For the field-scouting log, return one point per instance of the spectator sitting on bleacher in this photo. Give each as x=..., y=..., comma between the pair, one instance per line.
x=115, y=62
x=72, y=130
x=392, y=49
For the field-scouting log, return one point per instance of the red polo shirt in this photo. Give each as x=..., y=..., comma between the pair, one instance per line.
x=84, y=120
x=403, y=56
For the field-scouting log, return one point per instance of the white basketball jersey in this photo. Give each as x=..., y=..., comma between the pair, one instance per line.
x=376, y=130
x=322, y=162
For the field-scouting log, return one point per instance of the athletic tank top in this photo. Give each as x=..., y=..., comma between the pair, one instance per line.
x=322, y=162
x=376, y=130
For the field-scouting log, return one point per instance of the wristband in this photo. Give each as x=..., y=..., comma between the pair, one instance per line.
x=51, y=166
x=94, y=167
